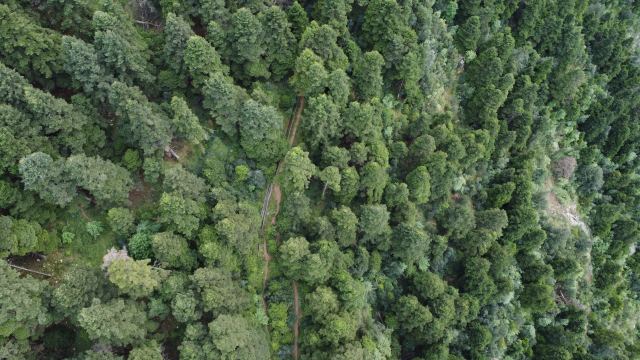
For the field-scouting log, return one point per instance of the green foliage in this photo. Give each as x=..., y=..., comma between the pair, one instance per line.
x=81, y=63
x=131, y=160
x=468, y=34
x=180, y=214
x=234, y=336
x=23, y=309
x=241, y=172
x=309, y=74
x=40, y=173
x=19, y=236
x=68, y=237
x=201, y=61
x=117, y=322
x=22, y=38
x=144, y=126
x=322, y=40
x=180, y=181
x=78, y=288
x=297, y=18
x=238, y=225
x=293, y=254
x=321, y=125
x=247, y=42
x=107, y=182
x=322, y=302
x=436, y=126
x=94, y=228
x=177, y=35
x=261, y=132
x=374, y=225
x=419, y=183
x=225, y=102
x=121, y=54
x=134, y=278
x=368, y=76
x=172, y=251
x=219, y=292
x=298, y=170
x=148, y=351
x=373, y=181
x=349, y=185
x=331, y=178
x=152, y=169
x=121, y=220
x=140, y=246
x=185, y=123
x=184, y=307
x=279, y=41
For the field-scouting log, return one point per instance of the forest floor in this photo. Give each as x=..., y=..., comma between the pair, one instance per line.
x=568, y=210
x=296, y=325
x=274, y=195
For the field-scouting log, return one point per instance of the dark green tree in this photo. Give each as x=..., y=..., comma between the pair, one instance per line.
x=172, y=251
x=368, y=76
x=261, y=132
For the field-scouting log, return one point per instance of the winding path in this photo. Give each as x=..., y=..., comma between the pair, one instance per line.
x=274, y=192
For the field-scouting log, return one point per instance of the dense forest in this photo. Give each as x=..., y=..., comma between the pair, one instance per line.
x=324, y=179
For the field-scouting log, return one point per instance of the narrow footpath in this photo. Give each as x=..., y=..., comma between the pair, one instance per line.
x=274, y=193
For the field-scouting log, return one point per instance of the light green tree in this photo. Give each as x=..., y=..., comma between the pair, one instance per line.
x=321, y=123
x=297, y=170
x=121, y=220
x=309, y=75
x=22, y=306
x=419, y=183
x=150, y=350
x=117, y=322
x=331, y=178
x=135, y=278
x=201, y=60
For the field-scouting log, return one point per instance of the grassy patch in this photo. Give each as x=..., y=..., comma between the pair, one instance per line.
x=84, y=247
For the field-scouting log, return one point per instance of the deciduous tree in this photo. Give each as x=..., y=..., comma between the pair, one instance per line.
x=172, y=251
x=117, y=322
x=135, y=278
x=297, y=170
x=23, y=303
x=309, y=76
x=121, y=220
x=419, y=183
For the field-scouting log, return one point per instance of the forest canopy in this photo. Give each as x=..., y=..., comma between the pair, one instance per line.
x=321, y=179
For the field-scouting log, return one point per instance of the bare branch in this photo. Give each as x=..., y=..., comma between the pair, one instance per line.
x=29, y=270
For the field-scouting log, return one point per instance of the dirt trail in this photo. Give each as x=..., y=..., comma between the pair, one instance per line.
x=274, y=192
x=296, y=325
x=277, y=197
x=293, y=128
